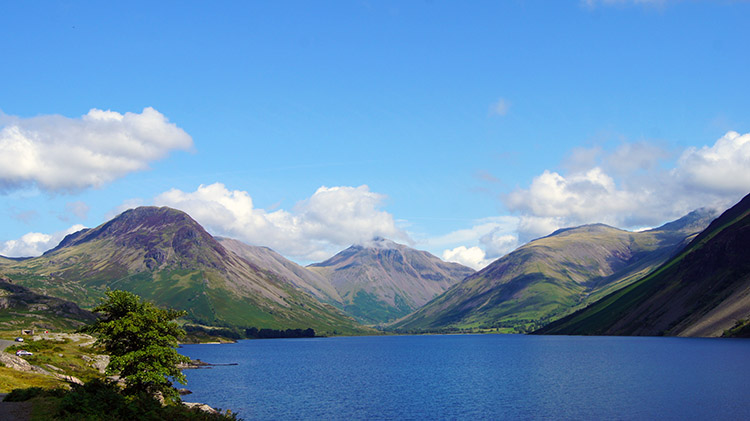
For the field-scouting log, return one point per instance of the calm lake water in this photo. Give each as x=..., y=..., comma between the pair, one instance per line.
x=476, y=377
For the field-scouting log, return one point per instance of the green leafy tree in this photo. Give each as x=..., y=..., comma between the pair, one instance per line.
x=141, y=340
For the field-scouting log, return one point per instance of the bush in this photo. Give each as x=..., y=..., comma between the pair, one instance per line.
x=21, y=395
x=35, y=346
x=102, y=400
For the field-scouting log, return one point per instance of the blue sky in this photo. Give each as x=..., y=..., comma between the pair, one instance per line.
x=461, y=128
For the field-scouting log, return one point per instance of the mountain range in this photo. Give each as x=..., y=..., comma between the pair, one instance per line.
x=702, y=291
x=163, y=255
x=553, y=276
x=592, y=279
x=381, y=280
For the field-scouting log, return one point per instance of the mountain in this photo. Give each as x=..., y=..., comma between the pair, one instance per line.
x=20, y=308
x=165, y=256
x=382, y=280
x=271, y=261
x=702, y=291
x=552, y=276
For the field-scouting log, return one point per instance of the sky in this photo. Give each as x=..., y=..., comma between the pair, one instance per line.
x=462, y=128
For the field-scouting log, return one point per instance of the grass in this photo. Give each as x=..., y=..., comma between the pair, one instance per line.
x=11, y=379
x=66, y=355
x=63, y=355
x=368, y=309
x=674, y=274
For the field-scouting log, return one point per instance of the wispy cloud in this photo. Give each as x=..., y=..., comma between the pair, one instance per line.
x=56, y=153
x=500, y=107
x=75, y=210
x=652, y=3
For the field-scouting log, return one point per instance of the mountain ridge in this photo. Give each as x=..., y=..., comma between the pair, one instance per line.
x=381, y=280
x=165, y=256
x=551, y=276
x=701, y=291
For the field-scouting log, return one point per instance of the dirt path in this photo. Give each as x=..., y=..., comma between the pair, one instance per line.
x=14, y=411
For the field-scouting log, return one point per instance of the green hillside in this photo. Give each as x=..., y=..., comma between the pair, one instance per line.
x=702, y=291
x=166, y=257
x=551, y=277
x=21, y=308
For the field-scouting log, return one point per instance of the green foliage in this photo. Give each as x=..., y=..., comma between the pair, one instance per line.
x=36, y=346
x=254, y=333
x=21, y=395
x=101, y=400
x=368, y=308
x=741, y=329
x=198, y=334
x=141, y=340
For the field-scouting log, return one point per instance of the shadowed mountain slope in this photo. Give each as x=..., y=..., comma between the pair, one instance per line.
x=702, y=291
x=269, y=260
x=165, y=256
x=20, y=308
x=382, y=280
x=552, y=276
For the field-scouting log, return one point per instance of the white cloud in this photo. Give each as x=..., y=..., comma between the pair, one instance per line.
x=581, y=195
x=721, y=168
x=473, y=257
x=332, y=218
x=628, y=188
x=489, y=238
x=500, y=107
x=35, y=243
x=497, y=243
x=57, y=153
x=494, y=244
x=482, y=227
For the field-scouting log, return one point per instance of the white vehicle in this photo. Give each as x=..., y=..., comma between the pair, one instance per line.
x=21, y=352
x=19, y=339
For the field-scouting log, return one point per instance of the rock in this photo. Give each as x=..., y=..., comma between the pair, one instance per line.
x=202, y=406
x=13, y=362
x=100, y=363
x=69, y=379
x=40, y=370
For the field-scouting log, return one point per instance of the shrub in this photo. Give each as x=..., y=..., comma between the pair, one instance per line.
x=21, y=395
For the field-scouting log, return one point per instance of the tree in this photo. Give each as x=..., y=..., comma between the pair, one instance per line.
x=141, y=340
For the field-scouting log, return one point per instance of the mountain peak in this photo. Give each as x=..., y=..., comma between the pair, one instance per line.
x=693, y=221
x=381, y=280
x=380, y=243
x=598, y=227
x=163, y=255
x=152, y=228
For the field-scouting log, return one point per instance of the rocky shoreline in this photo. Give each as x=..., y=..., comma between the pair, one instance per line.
x=197, y=364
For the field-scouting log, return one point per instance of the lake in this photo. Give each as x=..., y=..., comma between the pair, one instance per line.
x=476, y=377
